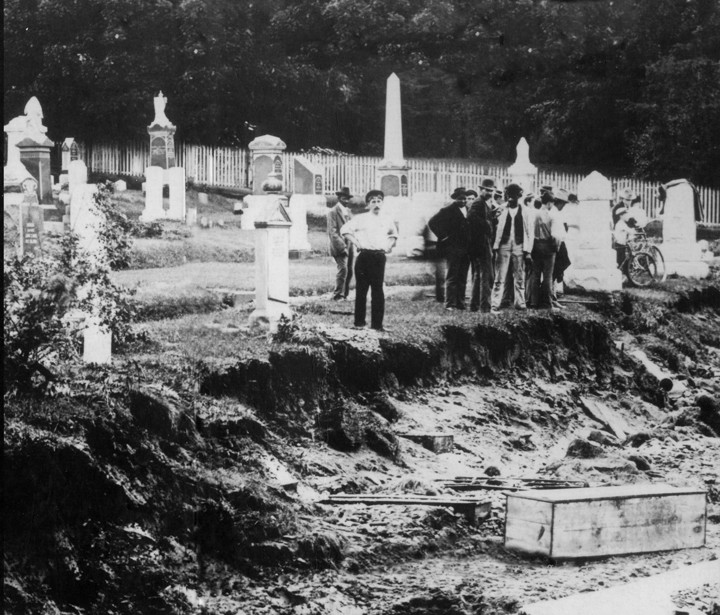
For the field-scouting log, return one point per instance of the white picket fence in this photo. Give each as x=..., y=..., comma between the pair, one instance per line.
x=228, y=167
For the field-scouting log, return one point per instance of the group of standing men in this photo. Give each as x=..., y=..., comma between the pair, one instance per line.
x=514, y=249
x=510, y=247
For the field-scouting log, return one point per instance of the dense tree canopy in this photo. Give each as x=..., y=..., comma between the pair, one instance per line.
x=629, y=85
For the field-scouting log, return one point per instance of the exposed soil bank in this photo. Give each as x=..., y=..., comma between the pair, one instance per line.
x=132, y=497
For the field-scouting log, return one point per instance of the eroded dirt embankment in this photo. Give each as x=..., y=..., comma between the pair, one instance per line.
x=139, y=497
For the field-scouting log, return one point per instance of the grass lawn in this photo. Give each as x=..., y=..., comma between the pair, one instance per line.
x=314, y=275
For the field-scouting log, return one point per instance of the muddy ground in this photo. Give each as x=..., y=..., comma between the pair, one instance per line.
x=147, y=491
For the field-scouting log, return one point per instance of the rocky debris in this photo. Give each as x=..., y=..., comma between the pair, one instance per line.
x=709, y=412
x=439, y=602
x=322, y=551
x=382, y=404
x=348, y=427
x=160, y=410
x=492, y=471
x=602, y=438
x=584, y=449
x=641, y=462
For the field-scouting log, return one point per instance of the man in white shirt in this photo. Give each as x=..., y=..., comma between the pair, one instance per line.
x=374, y=235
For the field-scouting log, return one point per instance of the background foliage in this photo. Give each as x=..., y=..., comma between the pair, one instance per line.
x=623, y=85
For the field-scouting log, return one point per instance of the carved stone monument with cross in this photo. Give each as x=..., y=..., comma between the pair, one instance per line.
x=163, y=170
x=272, y=266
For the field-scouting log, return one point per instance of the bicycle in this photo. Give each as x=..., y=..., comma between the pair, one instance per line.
x=641, y=243
x=640, y=267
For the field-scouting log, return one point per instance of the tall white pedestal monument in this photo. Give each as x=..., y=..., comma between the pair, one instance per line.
x=272, y=265
x=522, y=171
x=589, y=240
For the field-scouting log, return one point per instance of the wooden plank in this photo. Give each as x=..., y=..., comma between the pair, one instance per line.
x=532, y=511
x=579, y=516
x=604, y=493
x=528, y=537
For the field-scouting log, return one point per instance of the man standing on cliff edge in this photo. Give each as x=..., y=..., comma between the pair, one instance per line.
x=373, y=235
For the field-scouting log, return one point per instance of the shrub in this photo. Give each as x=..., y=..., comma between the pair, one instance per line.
x=49, y=299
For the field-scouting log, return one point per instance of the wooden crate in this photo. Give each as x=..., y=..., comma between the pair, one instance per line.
x=602, y=521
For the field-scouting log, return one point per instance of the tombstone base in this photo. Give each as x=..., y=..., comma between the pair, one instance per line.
x=97, y=347
x=594, y=279
x=268, y=317
x=688, y=269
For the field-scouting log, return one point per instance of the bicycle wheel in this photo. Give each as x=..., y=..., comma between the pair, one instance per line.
x=661, y=275
x=642, y=269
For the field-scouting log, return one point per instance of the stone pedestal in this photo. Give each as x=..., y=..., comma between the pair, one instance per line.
x=589, y=240
x=35, y=156
x=399, y=210
x=523, y=172
x=153, y=195
x=176, y=182
x=393, y=171
x=680, y=248
x=272, y=266
x=266, y=159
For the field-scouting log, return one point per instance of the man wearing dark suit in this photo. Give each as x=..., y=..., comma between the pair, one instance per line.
x=481, y=219
x=450, y=226
x=340, y=247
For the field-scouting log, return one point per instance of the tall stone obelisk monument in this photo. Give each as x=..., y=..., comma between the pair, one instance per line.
x=392, y=173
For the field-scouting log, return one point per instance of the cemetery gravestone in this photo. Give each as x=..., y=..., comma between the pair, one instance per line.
x=308, y=178
x=162, y=140
x=31, y=220
x=266, y=159
x=176, y=180
x=589, y=240
x=523, y=172
x=77, y=175
x=680, y=248
x=272, y=268
x=392, y=171
x=153, y=195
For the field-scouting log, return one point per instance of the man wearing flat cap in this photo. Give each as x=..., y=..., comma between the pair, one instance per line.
x=481, y=227
x=340, y=248
x=450, y=226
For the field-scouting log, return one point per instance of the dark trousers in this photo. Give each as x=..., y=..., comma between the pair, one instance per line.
x=370, y=274
x=458, y=264
x=543, y=263
x=482, y=279
x=344, y=273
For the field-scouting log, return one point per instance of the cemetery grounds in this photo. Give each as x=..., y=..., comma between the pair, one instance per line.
x=185, y=478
